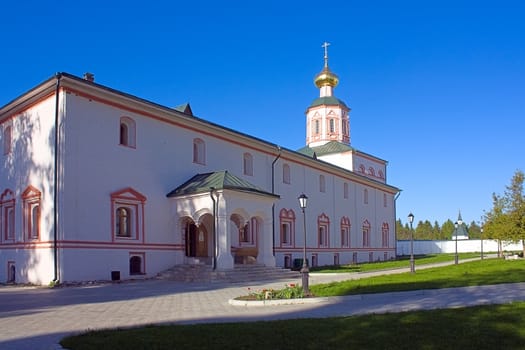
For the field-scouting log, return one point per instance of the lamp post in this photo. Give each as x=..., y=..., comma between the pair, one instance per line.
x=412, y=262
x=304, y=270
x=481, y=235
x=456, y=258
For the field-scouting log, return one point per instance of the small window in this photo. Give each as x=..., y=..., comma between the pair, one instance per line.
x=381, y=174
x=332, y=126
x=365, y=196
x=286, y=174
x=127, y=133
x=345, y=190
x=316, y=123
x=322, y=184
x=248, y=164
x=385, y=202
x=136, y=264
x=287, y=261
x=8, y=139
x=371, y=171
x=199, y=151
x=362, y=169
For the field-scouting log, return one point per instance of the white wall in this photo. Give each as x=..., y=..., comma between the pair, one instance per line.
x=464, y=246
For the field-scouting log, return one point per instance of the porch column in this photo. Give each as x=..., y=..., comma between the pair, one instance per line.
x=265, y=255
x=224, y=256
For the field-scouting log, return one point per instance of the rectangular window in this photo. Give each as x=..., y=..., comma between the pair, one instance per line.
x=248, y=164
x=345, y=190
x=8, y=139
x=322, y=184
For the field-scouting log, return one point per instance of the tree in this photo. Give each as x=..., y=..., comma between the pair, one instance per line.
x=474, y=231
x=506, y=219
x=447, y=230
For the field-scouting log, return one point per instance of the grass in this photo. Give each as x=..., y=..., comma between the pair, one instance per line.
x=394, y=264
x=484, y=327
x=474, y=273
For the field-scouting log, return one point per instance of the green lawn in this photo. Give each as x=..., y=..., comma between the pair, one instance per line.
x=484, y=327
x=477, y=328
x=394, y=264
x=474, y=273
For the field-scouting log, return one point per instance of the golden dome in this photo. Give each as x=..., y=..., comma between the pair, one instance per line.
x=326, y=78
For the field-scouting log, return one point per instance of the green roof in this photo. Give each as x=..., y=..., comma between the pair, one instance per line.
x=327, y=148
x=218, y=180
x=329, y=101
x=184, y=108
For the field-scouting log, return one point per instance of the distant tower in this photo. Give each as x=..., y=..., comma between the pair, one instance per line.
x=327, y=118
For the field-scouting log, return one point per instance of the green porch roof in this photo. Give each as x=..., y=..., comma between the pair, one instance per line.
x=219, y=180
x=327, y=148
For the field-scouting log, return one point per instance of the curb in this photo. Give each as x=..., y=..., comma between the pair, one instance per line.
x=275, y=302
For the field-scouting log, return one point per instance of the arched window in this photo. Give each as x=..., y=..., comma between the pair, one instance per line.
x=345, y=232
x=7, y=215
x=366, y=234
x=199, y=151
x=127, y=133
x=287, y=224
x=332, y=126
x=316, y=127
x=127, y=215
x=135, y=265
x=323, y=229
x=31, y=204
x=286, y=173
x=371, y=171
x=123, y=220
x=8, y=138
x=248, y=164
x=385, y=233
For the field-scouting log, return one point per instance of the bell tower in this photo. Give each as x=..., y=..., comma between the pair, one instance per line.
x=327, y=117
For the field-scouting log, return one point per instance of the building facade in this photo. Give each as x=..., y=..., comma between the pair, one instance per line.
x=97, y=184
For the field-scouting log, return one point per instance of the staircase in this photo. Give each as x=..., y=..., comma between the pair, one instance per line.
x=240, y=273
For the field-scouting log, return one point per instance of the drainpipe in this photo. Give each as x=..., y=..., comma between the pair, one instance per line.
x=395, y=219
x=55, y=180
x=273, y=205
x=214, y=258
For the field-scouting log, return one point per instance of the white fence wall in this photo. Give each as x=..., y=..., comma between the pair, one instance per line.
x=464, y=246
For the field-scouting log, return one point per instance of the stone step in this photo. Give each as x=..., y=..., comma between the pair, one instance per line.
x=240, y=273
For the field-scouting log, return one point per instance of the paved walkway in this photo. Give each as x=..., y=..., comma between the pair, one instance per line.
x=37, y=318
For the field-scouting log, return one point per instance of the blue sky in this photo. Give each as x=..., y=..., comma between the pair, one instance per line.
x=436, y=87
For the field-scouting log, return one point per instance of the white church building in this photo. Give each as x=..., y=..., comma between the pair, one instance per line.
x=96, y=183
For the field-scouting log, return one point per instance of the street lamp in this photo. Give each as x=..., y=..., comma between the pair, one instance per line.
x=481, y=235
x=304, y=270
x=456, y=258
x=412, y=262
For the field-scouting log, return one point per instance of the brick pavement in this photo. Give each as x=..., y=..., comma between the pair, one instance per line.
x=37, y=318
